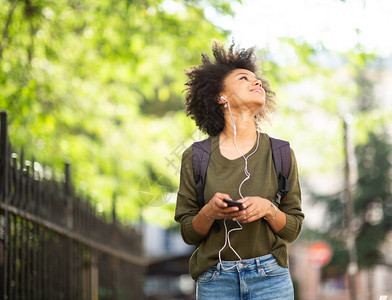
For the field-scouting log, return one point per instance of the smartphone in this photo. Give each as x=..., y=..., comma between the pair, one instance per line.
x=233, y=203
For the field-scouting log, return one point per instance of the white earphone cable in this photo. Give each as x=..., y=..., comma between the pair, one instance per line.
x=247, y=174
x=227, y=241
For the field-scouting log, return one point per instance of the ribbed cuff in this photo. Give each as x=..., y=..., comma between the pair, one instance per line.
x=290, y=231
x=190, y=235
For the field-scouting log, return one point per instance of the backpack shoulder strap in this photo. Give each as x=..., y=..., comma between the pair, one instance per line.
x=200, y=159
x=282, y=161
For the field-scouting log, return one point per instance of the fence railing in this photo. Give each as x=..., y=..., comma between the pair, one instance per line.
x=53, y=244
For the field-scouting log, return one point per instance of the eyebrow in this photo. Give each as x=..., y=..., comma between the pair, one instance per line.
x=243, y=73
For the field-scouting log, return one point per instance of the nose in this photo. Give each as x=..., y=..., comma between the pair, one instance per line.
x=257, y=82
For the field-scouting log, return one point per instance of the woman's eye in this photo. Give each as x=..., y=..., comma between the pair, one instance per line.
x=243, y=77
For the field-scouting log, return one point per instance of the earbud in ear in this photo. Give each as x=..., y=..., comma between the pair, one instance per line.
x=226, y=104
x=223, y=98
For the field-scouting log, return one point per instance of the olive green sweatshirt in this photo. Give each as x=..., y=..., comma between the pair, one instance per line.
x=225, y=176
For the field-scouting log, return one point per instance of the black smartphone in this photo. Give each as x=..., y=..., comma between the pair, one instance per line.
x=233, y=203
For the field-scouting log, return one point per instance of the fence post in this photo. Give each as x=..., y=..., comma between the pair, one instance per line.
x=114, y=214
x=3, y=156
x=69, y=224
x=68, y=196
x=94, y=277
x=3, y=195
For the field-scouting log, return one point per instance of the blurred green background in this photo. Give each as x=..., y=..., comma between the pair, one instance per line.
x=99, y=84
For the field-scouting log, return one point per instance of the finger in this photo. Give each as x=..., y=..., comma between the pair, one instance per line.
x=218, y=202
x=245, y=202
x=239, y=216
x=230, y=211
x=247, y=219
x=247, y=216
x=251, y=217
x=220, y=197
x=222, y=204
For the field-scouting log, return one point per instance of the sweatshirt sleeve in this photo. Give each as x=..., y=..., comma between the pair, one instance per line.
x=187, y=206
x=291, y=205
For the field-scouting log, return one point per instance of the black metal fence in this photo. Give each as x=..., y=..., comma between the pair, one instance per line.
x=53, y=245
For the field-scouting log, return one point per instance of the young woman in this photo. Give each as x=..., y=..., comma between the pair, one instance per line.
x=248, y=257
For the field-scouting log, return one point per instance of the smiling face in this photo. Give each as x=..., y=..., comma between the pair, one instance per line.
x=242, y=87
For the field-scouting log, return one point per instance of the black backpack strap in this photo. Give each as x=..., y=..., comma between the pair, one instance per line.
x=200, y=158
x=282, y=161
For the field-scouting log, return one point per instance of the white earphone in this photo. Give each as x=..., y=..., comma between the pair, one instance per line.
x=228, y=105
x=247, y=174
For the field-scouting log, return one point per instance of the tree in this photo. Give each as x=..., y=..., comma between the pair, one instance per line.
x=372, y=192
x=316, y=87
x=98, y=83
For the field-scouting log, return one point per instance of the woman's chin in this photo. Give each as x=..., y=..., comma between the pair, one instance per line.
x=261, y=103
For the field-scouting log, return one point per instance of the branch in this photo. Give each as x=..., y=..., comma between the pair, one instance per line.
x=5, y=36
x=30, y=48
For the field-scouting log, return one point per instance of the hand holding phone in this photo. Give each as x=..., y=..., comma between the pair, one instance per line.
x=233, y=203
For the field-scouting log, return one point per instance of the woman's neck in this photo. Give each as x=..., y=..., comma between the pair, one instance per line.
x=245, y=132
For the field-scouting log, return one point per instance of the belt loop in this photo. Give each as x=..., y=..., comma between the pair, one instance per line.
x=258, y=265
x=218, y=268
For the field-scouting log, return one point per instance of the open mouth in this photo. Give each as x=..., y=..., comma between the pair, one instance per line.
x=257, y=91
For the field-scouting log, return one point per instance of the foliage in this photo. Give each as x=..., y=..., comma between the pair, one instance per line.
x=373, y=199
x=98, y=83
x=372, y=196
x=372, y=205
x=316, y=89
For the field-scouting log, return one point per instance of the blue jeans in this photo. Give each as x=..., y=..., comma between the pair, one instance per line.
x=258, y=278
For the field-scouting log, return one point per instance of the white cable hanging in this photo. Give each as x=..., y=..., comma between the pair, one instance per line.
x=247, y=174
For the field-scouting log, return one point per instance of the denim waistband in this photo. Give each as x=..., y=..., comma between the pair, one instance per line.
x=257, y=261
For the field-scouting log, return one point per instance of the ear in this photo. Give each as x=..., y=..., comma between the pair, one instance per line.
x=222, y=99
